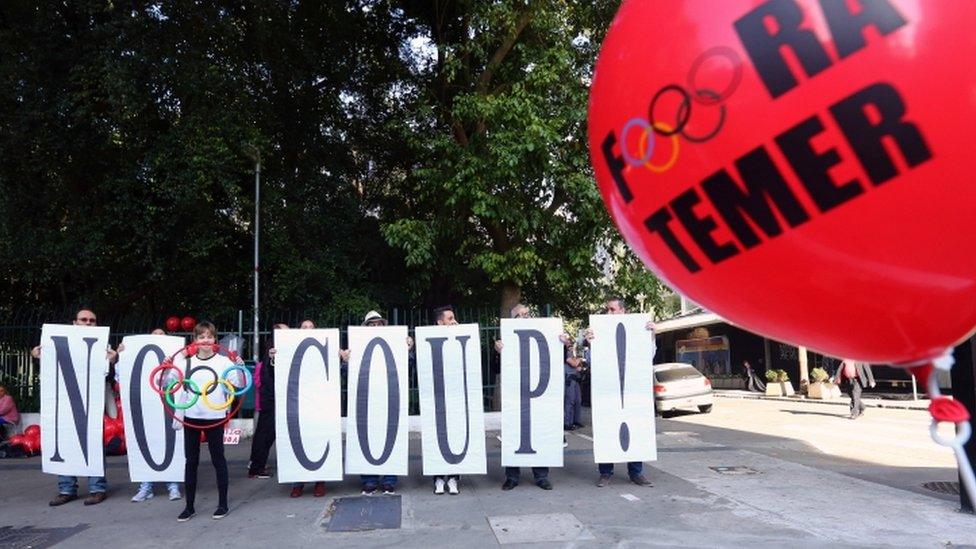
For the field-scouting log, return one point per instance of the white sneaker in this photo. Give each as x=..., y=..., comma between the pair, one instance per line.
x=452, y=486
x=174, y=494
x=142, y=495
x=438, y=486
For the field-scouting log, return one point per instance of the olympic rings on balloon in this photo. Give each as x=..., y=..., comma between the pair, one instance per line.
x=212, y=385
x=734, y=60
x=248, y=380
x=701, y=96
x=230, y=397
x=674, y=149
x=156, y=374
x=185, y=383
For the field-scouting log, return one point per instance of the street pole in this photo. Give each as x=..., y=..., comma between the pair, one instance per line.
x=257, y=240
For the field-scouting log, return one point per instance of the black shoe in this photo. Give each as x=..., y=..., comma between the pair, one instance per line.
x=369, y=490
x=568, y=427
x=579, y=425
x=509, y=484
x=388, y=489
x=186, y=515
x=220, y=513
x=544, y=484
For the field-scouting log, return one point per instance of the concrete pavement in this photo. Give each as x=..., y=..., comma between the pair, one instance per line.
x=791, y=492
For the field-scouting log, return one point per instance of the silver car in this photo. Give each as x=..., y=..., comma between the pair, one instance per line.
x=678, y=385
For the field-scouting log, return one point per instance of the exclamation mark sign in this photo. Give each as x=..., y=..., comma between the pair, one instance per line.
x=621, y=337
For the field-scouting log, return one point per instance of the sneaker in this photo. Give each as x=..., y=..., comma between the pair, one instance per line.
x=438, y=486
x=220, y=513
x=297, y=490
x=95, y=498
x=174, y=494
x=603, y=481
x=319, y=490
x=452, y=486
x=565, y=442
x=509, y=484
x=61, y=499
x=369, y=490
x=186, y=515
x=142, y=495
x=544, y=484
x=640, y=480
x=263, y=473
x=388, y=489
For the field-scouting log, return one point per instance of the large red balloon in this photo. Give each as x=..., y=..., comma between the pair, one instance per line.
x=33, y=430
x=173, y=324
x=188, y=323
x=821, y=197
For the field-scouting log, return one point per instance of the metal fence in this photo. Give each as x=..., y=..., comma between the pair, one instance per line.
x=21, y=332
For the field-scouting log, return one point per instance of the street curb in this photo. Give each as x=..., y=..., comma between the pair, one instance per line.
x=870, y=403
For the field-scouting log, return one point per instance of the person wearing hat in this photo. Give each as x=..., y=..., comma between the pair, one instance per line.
x=372, y=483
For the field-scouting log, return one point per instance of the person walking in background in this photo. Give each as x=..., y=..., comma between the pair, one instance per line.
x=753, y=382
x=859, y=376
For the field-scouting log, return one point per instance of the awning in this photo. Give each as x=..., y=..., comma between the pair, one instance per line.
x=687, y=322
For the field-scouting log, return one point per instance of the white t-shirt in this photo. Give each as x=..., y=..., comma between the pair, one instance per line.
x=207, y=372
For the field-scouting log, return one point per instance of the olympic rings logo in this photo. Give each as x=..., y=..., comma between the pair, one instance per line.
x=690, y=101
x=231, y=391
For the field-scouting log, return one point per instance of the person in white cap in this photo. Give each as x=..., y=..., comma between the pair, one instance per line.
x=372, y=483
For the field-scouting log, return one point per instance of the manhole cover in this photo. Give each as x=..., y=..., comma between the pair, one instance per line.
x=518, y=529
x=355, y=514
x=734, y=470
x=951, y=488
x=36, y=538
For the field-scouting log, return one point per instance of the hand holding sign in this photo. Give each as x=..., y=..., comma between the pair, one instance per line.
x=819, y=196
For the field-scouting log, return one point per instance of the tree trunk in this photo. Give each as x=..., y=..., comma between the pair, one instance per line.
x=511, y=296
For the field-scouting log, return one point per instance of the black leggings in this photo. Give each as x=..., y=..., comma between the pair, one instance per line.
x=191, y=448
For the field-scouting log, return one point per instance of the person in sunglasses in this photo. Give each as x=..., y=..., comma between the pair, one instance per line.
x=68, y=485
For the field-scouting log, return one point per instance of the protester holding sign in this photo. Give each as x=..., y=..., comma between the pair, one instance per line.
x=68, y=485
x=635, y=469
x=522, y=395
x=299, y=487
x=145, y=491
x=444, y=316
x=206, y=416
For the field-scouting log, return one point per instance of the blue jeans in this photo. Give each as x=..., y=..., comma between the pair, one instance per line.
x=634, y=468
x=148, y=486
x=69, y=485
x=372, y=481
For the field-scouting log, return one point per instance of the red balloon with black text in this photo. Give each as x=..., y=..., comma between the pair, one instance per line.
x=173, y=324
x=800, y=167
x=188, y=323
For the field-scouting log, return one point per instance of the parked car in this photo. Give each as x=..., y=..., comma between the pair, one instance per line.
x=678, y=385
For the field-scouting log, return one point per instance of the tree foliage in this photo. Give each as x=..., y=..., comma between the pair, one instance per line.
x=411, y=151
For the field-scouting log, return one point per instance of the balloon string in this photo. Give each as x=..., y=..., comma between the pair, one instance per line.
x=945, y=409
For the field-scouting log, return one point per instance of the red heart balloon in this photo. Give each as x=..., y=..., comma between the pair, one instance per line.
x=188, y=323
x=33, y=430
x=173, y=324
x=797, y=168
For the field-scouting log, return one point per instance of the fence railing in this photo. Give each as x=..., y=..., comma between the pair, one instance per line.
x=19, y=334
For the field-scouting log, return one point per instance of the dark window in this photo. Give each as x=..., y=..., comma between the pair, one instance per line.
x=676, y=374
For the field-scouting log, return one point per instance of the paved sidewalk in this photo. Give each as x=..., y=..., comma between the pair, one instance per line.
x=844, y=400
x=775, y=502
